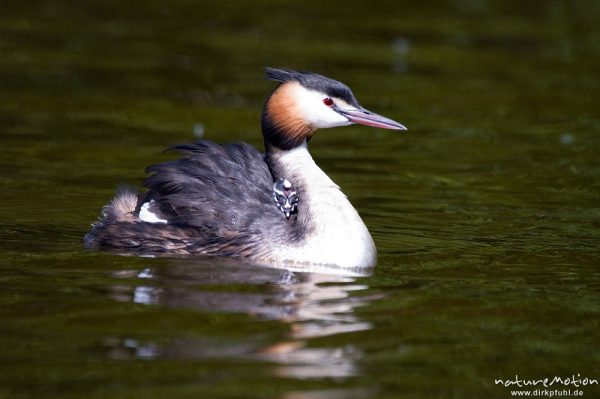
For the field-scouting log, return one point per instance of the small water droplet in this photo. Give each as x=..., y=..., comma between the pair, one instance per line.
x=198, y=130
x=567, y=138
x=400, y=45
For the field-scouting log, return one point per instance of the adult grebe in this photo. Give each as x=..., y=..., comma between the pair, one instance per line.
x=218, y=200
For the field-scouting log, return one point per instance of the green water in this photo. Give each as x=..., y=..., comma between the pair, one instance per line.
x=486, y=212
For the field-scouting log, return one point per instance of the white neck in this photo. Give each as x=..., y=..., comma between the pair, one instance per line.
x=335, y=233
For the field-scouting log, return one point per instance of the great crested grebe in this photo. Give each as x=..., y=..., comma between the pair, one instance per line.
x=285, y=197
x=218, y=200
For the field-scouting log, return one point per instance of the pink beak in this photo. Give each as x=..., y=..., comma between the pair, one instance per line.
x=365, y=117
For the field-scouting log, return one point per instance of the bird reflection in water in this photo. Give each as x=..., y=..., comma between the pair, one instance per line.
x=314, y=302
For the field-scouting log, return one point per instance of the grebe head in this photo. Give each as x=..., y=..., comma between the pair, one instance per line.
x=285, y=197
x=305, y=102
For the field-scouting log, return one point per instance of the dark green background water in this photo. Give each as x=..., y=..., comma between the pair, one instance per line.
x=486, y=212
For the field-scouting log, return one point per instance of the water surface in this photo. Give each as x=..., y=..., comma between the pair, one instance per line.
x=485, y=213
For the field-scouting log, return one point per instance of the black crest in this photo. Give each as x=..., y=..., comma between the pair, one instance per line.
x=313, y=81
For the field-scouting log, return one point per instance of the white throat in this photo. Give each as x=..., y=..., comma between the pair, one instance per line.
x=335, y=232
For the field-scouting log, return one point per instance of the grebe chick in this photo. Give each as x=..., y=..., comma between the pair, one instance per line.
x=285, y=197
x=218, y=199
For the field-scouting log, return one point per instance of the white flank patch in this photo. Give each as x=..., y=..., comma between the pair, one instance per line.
x=147, y=216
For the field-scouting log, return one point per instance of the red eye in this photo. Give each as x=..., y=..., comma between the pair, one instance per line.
x=328, y=101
